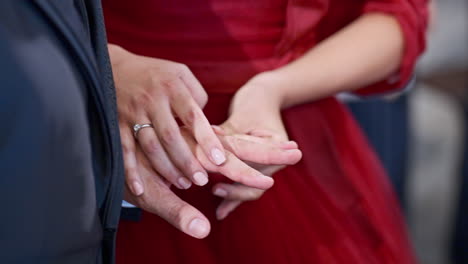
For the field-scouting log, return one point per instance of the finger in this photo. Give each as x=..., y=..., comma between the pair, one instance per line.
x=269, y=170
x=265, y=133
x=160, y=200
x=192, y=116
x=181, y=214
x=226, y=207
x=289, y=145
x=227, y=130
x=132, y=177
x=237, y=171
x=237, y=192
x=175, y=145
x=261, y=133
x=159, y=159
x=233, y=168
x=218, y=130
x=195, y=88
x=262, y=152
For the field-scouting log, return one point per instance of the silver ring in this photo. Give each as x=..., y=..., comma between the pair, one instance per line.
x=137, y=128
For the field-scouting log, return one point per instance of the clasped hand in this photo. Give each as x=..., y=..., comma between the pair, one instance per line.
x=157, y=92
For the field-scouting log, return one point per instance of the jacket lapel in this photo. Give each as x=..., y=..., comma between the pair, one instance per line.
x=74, y=39
x=79, y=42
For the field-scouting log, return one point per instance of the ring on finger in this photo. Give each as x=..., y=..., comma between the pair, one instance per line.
x=138, y=127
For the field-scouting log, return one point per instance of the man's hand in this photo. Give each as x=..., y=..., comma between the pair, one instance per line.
x=159, y=198
x=154, y=91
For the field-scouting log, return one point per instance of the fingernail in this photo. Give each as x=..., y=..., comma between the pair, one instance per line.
x=184, y=183
x=200, y=178
x=220, y=216
x=137, y=188
x=220, y=192
x=218, y=129
x=198, y=228
x=270, y=179
x=288, y=145
x=292, y=150
x=218, y=156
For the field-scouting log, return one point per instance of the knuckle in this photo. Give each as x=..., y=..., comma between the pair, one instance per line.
x=191, y=116
x=169, y=84
x=176, y=214
x=152, y=147
x=171, y=175
x=235, y=144
x=202, y=98
x=246, y=173
x=144, y=99
x=154, y=74
x=130, y=174
x=168, y=135
x=126, y=149
x=209, y=141
x=159, y=84
x=190, y=165
x=182, y=69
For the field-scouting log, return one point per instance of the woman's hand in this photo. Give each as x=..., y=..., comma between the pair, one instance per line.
x=161, y=200
x=154, y=91
x=255, y=117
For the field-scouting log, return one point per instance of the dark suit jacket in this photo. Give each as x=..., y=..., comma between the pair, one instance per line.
x=61, y=172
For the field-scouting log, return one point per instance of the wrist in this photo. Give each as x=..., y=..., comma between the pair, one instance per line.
x=271, y=86
x=259, y=95
x=116, y=53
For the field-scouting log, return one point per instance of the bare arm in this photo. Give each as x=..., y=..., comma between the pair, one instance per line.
x=366, y=51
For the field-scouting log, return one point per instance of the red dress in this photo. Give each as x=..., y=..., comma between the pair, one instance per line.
x=336, y=205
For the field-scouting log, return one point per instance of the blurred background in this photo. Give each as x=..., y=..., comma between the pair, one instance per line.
x=422, y=139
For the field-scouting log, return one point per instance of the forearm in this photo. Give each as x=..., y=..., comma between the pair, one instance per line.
x=366, y=51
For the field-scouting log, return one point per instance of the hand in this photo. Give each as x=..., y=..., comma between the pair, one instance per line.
x=255, y=115
x=154, y=91
x=258, y=149
x=160, y=200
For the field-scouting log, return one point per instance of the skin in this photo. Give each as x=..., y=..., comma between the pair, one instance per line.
x=161, y=200
x=334, y=65
x=158, y=91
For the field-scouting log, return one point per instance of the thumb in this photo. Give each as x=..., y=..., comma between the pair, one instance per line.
x=159, y=199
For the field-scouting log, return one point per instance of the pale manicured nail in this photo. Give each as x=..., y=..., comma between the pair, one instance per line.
x=220, y=192
x=219, y=216
x=200, y=178
x=288, y=145
x=218, y=130
x=218, y=156
x=137, y=188
x=270, y=179
x=292, y=150
x=198, y=228
x=184, y=183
